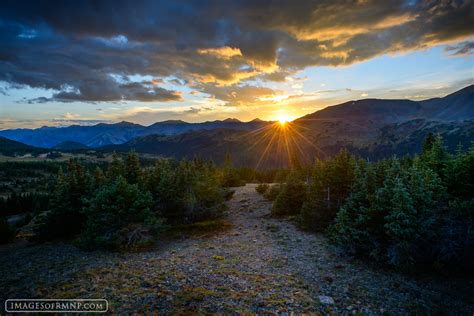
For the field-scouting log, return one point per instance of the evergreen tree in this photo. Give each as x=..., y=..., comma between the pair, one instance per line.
x=116, y=168
x=291, y=196
x=353, y=217
x=428, y=142
x=132, y=168
x=400, y=224
x=114, y=208
x=330, y=185
x=436, y=158
x=64, y=220
x=313, y=212
x=99, y=177
x=230, y=177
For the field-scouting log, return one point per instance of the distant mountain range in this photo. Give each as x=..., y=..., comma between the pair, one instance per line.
x=372, y=128
x=109, y=134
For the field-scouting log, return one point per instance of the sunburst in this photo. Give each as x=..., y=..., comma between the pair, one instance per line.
x=282, y=142
x=282, y=119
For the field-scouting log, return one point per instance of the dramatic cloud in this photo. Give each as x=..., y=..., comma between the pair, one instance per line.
x=462, y=49
x=240, y=95
x=221, y=52
x=78, y=49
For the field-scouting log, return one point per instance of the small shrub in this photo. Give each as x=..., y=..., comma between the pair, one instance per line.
x=119, y=216
x=230, y=179
x=291, y=197
x=272, y=192
x=227, y=193
x=186, y=192
x=262, y=188
x=230, y=176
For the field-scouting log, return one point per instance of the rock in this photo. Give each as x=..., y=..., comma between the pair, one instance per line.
x=328, y=300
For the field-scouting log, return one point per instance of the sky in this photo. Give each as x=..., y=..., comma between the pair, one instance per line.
x=84, y=62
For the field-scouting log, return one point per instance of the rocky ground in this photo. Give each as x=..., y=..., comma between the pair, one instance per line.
x=258, y=264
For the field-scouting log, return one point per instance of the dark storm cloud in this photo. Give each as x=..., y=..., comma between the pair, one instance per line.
x=77, y=47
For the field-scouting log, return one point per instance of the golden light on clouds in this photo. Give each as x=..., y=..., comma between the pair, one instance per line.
x=225, y=52
x=327, y=31
x=276, y=98
x=230, y=78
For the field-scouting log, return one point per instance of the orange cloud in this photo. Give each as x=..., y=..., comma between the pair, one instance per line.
x=225, y=52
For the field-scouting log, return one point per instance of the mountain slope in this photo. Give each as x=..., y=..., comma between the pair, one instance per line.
x=246, y=148
x=376, y=110
x=92, y=136
x=456, y=106
x=178, y=127
x=11, y=148
x=407, y=137
x=70, y=145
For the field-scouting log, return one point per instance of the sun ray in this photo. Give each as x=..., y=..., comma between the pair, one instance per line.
x=265, y=151
x=309, y=142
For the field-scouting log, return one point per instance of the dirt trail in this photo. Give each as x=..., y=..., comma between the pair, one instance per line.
x=259, y=265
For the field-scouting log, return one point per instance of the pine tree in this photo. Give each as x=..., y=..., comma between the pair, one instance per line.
x=315, y=202
x=353, y=217
x=99, y=177
x=65, y=219
x=436, y=158
x=401, y=226
x=291, y=197
x=428, y=142
x=229, y=177
x=116, y=168
x=132, y=168
x=112, y=209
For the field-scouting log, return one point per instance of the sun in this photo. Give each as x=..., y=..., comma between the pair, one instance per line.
x=283, y=119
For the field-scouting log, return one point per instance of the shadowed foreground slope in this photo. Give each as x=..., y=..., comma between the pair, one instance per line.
x=259, y=264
